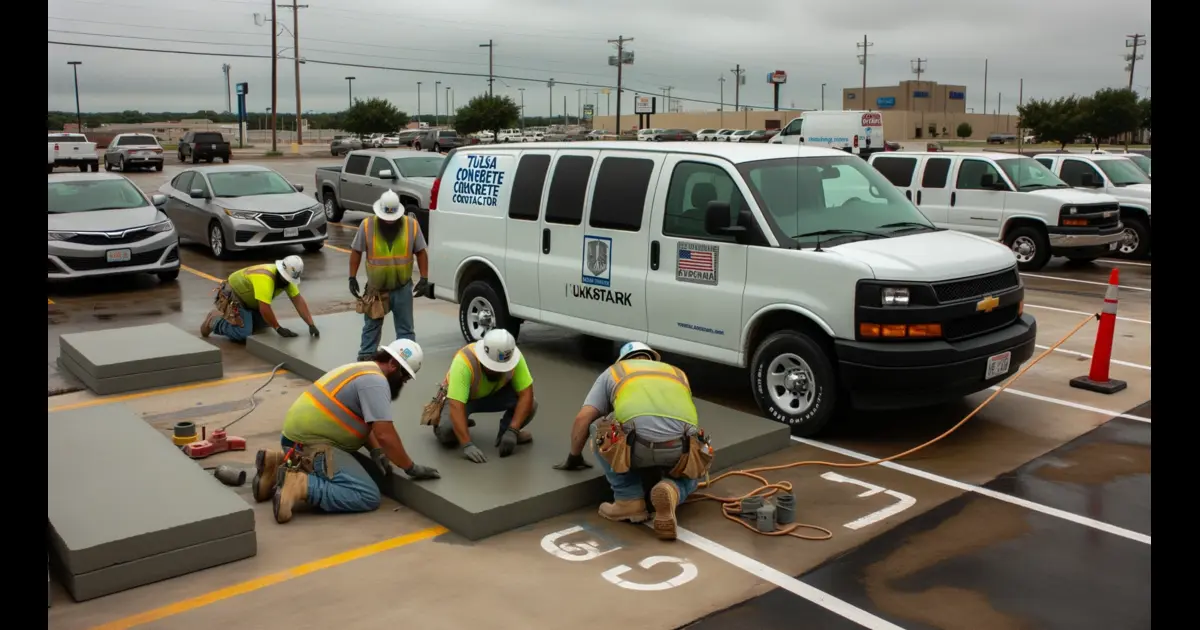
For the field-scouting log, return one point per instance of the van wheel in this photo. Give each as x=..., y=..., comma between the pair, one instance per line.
x=481, y=309
x=794, y=382
x=333, y=211
x=1136, y=243
x=1030, y=246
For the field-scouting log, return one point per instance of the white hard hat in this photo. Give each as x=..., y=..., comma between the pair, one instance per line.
x=291, y=268
x=387, y=207
x=497, y=351
x=408, y=354
x=637, y=346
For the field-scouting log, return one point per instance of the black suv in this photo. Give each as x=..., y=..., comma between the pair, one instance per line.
x=203, y=145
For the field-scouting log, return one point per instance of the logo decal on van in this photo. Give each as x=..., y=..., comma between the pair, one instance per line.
x=697, y=263
x=597, y=294
x=597, y=252
x=478, y=184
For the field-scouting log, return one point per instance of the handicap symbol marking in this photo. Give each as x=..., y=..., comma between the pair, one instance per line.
x=573, y=551
x=589, y=549
x=688, y=572
x=904, y=501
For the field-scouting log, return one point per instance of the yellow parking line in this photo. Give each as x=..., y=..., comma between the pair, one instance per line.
x=199, y=273
x=336, y=248
x=250, y=586
x=158, y=392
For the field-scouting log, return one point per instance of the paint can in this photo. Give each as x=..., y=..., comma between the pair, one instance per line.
x=785, y=508
x=764, y=518
x=750, y=505
x=184, y=433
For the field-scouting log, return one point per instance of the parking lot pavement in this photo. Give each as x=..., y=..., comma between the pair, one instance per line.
x=1011, y=521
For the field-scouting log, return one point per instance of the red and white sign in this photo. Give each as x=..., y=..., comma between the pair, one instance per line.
x=779, y=76
x=872, y=119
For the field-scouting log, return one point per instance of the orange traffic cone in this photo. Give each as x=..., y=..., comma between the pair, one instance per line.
x=1097, y=379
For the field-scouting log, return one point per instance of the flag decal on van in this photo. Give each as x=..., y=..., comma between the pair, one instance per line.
x=597, y=265
x=697, y=263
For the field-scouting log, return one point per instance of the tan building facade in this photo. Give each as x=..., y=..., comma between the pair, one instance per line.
x=909, y=96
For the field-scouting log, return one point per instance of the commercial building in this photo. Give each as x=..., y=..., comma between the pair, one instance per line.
x=909, y=96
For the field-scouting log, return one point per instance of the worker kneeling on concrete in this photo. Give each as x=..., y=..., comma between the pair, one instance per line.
x=390, y=240
x=487, y=376
x=347, y=408
x=243, y=302
x=649, y=421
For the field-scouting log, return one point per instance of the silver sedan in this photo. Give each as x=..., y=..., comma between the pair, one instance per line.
x=235, y=208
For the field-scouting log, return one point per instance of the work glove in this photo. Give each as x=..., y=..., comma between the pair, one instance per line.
x=421, y=473
x=472, y=452
x=422, y=288
x=312, y=330
x=381, y=459
x=284, y=332
x=574, y=462
x=355, y=290
x=507, y=441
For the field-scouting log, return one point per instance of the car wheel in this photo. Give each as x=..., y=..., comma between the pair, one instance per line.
x=216, y=241
x=1030, y=246
x=195, y=160
x=416, y=146
x=333, y=211
x=49, y=169
x=181, y=156
x=121, y=164
x=794, y=382
x=437, y=148
x=1136, y=243
x=159, y=167
x=314, y=246
x=483, y=308
x=168, y=276
x=95, y=167
x=83, y=168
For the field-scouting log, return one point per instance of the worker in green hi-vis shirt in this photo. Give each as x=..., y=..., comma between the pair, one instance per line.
x=244, y=300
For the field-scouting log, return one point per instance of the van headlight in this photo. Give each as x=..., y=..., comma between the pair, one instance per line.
x=895, y=296
x=162, y=226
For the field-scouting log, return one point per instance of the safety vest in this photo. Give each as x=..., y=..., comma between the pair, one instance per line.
x=651, y=388
x=467, y=354
x=317, y=417
x=239, y=282
x=389, y=265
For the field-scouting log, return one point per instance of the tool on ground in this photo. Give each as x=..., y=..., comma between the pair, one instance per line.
x=785, y=508
x=230, y=476
x=764, y=518
x=184, y=433
x=219, y=442
x=735, y=508
x=1097, y=379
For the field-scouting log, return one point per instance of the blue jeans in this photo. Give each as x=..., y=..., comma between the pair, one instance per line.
x=350, y=490
x=503, y=399
x=628, y=486
x=401, y=301
x=250, y=321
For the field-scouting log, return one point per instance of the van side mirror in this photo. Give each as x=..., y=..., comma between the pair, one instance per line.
x=158, y=200
x=386, y=174
x=298, y=187
x=1088, y=180
x=716, y=219
x=988, y=181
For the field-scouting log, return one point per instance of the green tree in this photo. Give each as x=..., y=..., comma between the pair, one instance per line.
x=1060, y=121
x=486, y=113
x=1111, y=112
x=375, y=115
x=964, y=130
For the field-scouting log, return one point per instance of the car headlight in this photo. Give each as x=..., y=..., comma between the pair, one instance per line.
x=895, y=296
x=161, y=226
x=249, y=216
x=317, y=210
x=60, y=236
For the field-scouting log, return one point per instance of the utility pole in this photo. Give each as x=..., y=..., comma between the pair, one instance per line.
x=822, y=97
x=721, y=107
x=566, y=115
x=666, y=92
x=522, y=91
x=739, y=77
x=448, y=105
x=620, y=62
x=985, y=73
x=1020, y=102
x=418, y=104
x=550, y=116
x=78, y=114
x=918, y=69
x=296, y=62
x=350, y=89
x=437, y=86
x=228, y=90
x=274, y=77
x=491, y=72
x=862, y=58
x=1137, y=39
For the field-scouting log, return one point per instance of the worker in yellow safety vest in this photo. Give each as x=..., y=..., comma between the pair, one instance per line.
x=390, y=240
x=344, y=410
x=243, y=301
x=487, y=376
x=651, y=403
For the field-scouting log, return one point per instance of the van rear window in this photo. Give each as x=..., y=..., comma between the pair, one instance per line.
x=526, y=200
x=898, y=170
x=568, y=190
x=620, y=195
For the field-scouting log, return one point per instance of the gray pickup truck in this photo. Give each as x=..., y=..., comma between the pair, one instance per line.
x=366, y=173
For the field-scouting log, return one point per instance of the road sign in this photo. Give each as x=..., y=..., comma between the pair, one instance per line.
x=644, y=105
x=243, y=88
x=589, y=111
x=777, y=77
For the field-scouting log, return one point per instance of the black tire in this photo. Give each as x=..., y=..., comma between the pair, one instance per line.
x=168, y=276
x=416, y=146
x=216, y=241
x=159, y=167
x=482, y=293
x=1038, y=244
x=1136, y=229
x=821, y=376
x=333, y=210
x=225, y=160
x=49, y=169
x=437, y=148
x=314, y=247
x=83, y=168
x=95, y=167
x=195, y=160
x=107, y=165
x=121, y=165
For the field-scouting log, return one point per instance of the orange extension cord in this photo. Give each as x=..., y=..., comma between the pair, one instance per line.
x=731, y=506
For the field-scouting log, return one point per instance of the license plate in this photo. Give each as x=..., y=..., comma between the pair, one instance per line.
x=291, y=232
x=118, y=255
x=998, y=365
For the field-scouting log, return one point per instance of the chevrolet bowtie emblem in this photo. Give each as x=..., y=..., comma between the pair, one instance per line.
x=987, y=304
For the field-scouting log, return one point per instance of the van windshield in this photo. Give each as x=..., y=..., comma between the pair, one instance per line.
x=831, y=199
x=1122, y=172
x=1030, y=174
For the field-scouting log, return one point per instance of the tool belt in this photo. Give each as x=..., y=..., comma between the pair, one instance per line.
x=374, y=304
x=228, y=304
x=612, y=444
x=302, y=456
x=431, y=414
x=616, y=447
x=697, y=457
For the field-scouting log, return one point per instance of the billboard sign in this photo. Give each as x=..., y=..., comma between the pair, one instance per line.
x=957, y=96
x=243, y=88
x=885, y=102
x=644, y=104
x=777, y=77
x=588, y=111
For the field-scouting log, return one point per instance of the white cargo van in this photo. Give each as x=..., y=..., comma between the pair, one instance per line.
x=1116, y=175
x=1008, y=198
x=860, y=133
x=803, y=265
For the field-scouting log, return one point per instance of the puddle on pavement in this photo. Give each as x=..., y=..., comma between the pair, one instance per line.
x=1098, y=463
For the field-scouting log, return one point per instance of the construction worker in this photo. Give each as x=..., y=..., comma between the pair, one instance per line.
x=390, y=240
x=487, y=376
x=337, y=415
x=243, y=302
x=651, y=402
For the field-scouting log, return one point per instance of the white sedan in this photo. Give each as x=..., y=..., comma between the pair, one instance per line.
x=723, y=135
x=739, y=135
x=706, y=135
x=646, y=135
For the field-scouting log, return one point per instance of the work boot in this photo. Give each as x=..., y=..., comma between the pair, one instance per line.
x=291, y=489
x=664, y=496
x=632, y=510
x=524, y=437
x=207, y=327
x=265, y=464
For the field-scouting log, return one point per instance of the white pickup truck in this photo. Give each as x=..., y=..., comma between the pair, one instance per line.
x=71, y=149
x=1114, y=175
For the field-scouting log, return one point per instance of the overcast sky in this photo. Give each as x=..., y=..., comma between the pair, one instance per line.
x=1058, y=47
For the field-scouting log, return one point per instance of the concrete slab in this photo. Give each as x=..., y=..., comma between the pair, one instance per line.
x=147, y=380
x=118, y=491
x=481, y=500
x=137, y=350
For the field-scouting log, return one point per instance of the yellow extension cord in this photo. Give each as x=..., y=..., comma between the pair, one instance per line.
x=731, y=506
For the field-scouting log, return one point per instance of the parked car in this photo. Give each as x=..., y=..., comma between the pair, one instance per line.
x=706, y=135
x=760, y=135
x=358, y=182
x=71, y=149
x=1008, y=198
x=646, y=135
x=722, y=135
x=854, y=326
x=1142, y=161
x=390, y=141
x=533, y=135
x=510, y=135
x=406, y=138
x=101, y=224
x=674, y=135
x=438, y=140
x=235, y=208
x=1114, y=175
x=133, y=150
x=204, y=146
x=374, y=140
x=342, y=145
x=739, y=135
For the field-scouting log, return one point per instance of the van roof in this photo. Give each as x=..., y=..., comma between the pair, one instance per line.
x=733, y=152
x=1095, y=157
x=995, y=155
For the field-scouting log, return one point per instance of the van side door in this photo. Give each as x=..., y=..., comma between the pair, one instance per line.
x=565, y=286
x=933, y=191
x=976, y=208
x=525, y=233
x=900, y=170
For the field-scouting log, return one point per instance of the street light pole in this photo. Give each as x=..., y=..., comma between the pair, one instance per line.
x=491, y=46
x=448, y=105
x=418, y=104
x=437, y=85
x=522, y=91
x=822, y=97
x=350, y=89
x=550, y=84
x=78, y=114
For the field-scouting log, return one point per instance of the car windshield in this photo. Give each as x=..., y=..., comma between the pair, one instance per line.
x=126, y=141
x=248, y=184
x=743, y=132
x=1122, y=172
x=1029, y=174
x=830, y=199
x=420, y=166
x=1141, y=161
x=90, y=196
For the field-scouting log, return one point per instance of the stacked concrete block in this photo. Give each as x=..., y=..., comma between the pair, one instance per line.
x=138, y=357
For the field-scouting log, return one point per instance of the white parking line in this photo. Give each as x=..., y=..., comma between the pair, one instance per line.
x=1103, y=284
x=1067, y=310
x=999, y=496
x=1074, y=405
x=1109, y=261
x=1138, y=366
